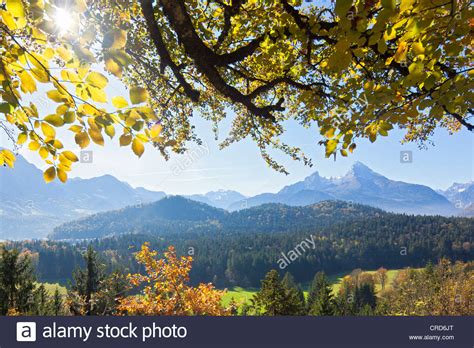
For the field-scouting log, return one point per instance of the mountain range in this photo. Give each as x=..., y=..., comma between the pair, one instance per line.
x=361, y=185
x=461, y=195
x=29, y=208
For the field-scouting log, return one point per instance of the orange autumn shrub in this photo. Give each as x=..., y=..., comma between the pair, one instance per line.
x=166, y=288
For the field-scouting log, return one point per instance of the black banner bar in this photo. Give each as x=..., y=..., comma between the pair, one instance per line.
x=332, y=332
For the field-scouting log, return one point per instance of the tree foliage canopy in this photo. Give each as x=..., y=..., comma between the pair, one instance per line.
x=354, y=69
x=166, y=290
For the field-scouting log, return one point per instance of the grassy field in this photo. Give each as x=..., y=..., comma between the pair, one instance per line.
x=391, y=274
x=242, y=295
x=51, y=288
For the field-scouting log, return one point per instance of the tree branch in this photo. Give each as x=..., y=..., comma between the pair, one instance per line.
x=460, y=119
x=154, y=31
x=207, y=61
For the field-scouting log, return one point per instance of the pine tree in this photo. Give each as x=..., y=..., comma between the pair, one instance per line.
x=16, y=282
x=275, y=299
x=112, y=288
x=294, y=293
x=365, y=296
x=57, y=303
x=86, y=283
x=41, y=305
x=314, y=289
x=322, y=299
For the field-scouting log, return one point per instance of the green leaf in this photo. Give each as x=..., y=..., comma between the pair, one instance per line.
x=6, y=108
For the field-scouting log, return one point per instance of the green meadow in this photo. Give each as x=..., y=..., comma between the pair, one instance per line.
x=51, y=288
x=243, y=295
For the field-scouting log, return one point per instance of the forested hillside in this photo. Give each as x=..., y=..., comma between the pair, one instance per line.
x=240, y=248
x=180, y=215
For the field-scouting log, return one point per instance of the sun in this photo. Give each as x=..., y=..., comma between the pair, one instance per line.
x=63, y=21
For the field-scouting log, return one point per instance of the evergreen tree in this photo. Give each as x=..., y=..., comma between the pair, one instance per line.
x=294, y=293
x=86, y=283
x=314, y=289
x=42, y=304
x=57, y=303
x=112, y=288
x=274, y=297
x=365, y=296
x=321, y=296
x=16, y=282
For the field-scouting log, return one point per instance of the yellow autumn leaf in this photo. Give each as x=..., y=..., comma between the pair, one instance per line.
x=48, y=131
x=43, y=152
x=155, y=131
x=70, y=156
x=15, y=7
x=54, y=120
x=96, y=136
x=114, y=39
x=49, y=174
x=34, y=145
x=7, y=157
x=62, y=175
x=112, y=67
x=97, y=80
x=331, y=147
x=28, y=85
x=22, y=138
x=8, y=20
x=401, y=54
x=119, y=102
x=110, y=131
x=125, y=139
x=138, y=147
x=97, y=95
x=418, y=48
x=55, y=96
x=82, y=139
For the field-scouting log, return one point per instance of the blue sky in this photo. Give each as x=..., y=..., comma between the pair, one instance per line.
x=241, y=168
